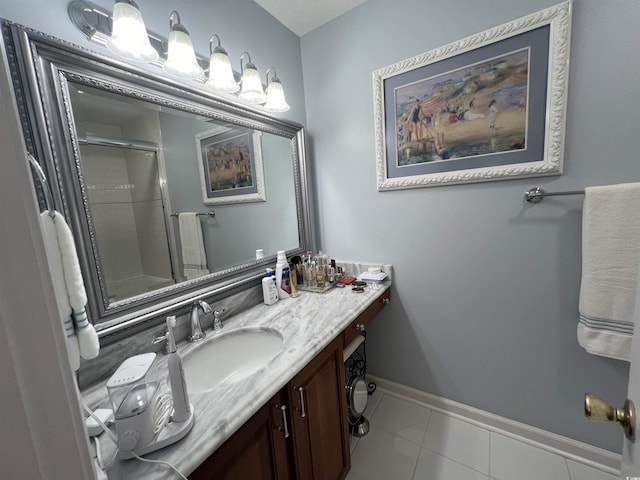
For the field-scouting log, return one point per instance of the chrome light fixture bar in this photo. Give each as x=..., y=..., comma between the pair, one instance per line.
x=97, y=25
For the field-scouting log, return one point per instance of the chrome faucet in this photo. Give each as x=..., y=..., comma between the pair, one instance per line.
x=196, y=329
x=217, y=323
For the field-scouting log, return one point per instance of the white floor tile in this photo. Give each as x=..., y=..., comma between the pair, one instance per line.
x=372, y=403
x=383, y=456
x=401, y=417
x=353, y=476
x=459, y=441
x=579, y=471
x=353, y=441
x=432, y=466
x=511, y=459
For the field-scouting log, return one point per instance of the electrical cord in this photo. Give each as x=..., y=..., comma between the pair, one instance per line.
x=101, y=423
x=99, y=456
x=163, y=417
x=163, y=409
x=98, y=449
x=159, y=461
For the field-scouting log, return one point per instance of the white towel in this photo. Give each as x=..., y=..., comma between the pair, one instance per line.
x=610, y=269
x=68, y=287
x=194, y=258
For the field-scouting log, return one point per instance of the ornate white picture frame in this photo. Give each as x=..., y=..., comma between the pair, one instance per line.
x=491, y=106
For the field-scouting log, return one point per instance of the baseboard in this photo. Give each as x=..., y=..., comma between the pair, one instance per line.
x=580, y=452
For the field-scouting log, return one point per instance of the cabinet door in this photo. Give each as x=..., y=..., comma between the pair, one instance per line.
x=258, y=451
x=319, y=418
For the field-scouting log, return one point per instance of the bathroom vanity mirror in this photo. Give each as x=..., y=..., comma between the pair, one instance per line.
x=127, y=153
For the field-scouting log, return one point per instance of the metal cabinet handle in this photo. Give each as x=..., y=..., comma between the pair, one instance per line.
x=302, y=411
x=385, y=301
x=360, y=327
x=283, y=409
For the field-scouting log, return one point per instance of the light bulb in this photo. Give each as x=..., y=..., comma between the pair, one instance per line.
x=129, y=37
x=251, y=85
x=275, y=97
x=181, y=59
x=220, y=73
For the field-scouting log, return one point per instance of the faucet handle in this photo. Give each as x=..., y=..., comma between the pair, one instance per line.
x=217, y=323
x=160, y=339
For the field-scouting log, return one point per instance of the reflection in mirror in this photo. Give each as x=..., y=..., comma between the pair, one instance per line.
x=169, y=191
x=152, y=174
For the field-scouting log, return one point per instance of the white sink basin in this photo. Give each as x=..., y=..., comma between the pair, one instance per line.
x=229, y=357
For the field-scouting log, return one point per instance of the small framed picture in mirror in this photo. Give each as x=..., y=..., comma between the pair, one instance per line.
x=230, y=161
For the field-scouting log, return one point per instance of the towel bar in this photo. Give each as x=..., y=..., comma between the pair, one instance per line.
x=536, y=194
x=210, y=213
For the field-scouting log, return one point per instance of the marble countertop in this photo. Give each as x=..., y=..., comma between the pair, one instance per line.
x=307, y=323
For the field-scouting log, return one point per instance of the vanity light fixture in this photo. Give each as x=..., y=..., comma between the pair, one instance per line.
x=103, y=27
x=251, y=85
x=181, y=58
x=275, y=94
x=129, y=37
x=220, y=72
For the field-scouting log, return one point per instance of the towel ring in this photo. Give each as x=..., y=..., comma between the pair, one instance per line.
x=43, y=182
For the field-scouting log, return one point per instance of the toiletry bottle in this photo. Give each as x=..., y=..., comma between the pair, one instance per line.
x=283, y=273
x=269, y=289
x=181, y=407
x=311, y=274
x=294, y=281
x=320, y=276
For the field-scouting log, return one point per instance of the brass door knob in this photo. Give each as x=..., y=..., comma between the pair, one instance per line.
x=597, y=410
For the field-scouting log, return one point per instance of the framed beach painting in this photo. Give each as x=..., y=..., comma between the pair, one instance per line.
x=488, y=107
x=230, y=165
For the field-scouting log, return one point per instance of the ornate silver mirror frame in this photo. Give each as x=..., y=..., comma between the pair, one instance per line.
x=41, y=66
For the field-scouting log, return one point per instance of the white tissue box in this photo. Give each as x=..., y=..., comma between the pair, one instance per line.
x=372, y=277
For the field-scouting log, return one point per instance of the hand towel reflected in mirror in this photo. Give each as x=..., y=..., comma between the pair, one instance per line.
x=194, y=257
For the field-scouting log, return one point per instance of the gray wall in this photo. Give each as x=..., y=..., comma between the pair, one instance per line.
x=484, y=307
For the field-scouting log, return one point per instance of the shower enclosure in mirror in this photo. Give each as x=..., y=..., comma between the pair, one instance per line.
x=122, y=149
x=129, y=220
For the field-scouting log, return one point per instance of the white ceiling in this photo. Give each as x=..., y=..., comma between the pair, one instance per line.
x=302, y=16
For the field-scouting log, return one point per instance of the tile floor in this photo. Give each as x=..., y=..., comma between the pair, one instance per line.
x=408, y=441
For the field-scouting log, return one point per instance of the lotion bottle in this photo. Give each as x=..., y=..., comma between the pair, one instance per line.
x=181, y=407
x=283, y=273
x=269, y=289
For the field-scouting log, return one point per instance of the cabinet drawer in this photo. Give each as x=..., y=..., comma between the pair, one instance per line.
x=365, y=318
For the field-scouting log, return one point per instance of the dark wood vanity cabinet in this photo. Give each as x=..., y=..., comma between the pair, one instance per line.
x=319, y=426
x=302, y=432
x=259, y=450
x=307, y=439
